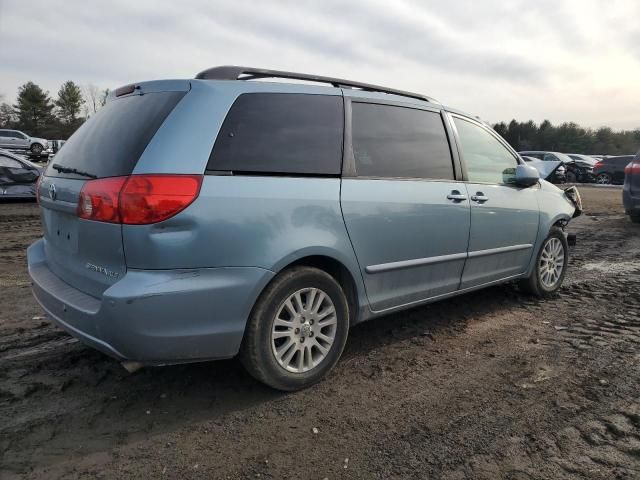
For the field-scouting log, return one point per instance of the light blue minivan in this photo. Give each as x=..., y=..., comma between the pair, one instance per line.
x=200, y=219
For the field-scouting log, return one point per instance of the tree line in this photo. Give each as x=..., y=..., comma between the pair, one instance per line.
x=568, y=138
x=39, y=115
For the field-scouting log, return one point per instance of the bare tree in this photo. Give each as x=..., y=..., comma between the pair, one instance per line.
x=92, y=98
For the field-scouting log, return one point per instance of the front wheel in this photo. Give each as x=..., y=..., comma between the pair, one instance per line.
x=550, y=268
x=297, y=329
x=36, y=149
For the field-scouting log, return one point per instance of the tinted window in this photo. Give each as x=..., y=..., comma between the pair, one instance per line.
x=487, y=160
x=110, y=143
x=281, y=133
x=399, y=142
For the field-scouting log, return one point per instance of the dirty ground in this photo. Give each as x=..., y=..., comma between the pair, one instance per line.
x=490, y=385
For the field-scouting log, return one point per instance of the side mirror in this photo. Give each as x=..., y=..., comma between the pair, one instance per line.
x=526, y=176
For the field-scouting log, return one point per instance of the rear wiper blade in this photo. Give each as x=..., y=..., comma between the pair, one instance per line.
x=62, y=169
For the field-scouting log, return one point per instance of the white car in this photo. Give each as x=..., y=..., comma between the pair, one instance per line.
x=17, y=140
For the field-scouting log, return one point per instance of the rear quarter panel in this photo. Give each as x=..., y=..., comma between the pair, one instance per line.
x=248, y=221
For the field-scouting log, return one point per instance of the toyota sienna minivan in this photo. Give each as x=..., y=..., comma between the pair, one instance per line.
x=201, y=219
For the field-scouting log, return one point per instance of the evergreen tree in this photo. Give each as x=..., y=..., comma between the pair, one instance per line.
x=33, y=109
x=69, y=103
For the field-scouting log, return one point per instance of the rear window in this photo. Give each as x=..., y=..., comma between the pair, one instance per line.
x=286, y=133
x=110, y=143
x=399, y=142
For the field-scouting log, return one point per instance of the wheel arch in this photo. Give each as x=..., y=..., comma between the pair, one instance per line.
x=341, y=269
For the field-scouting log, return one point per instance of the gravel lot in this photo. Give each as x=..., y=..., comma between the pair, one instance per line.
x=490, y=385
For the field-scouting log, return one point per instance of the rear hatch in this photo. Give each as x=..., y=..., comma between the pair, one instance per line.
x=88, y=254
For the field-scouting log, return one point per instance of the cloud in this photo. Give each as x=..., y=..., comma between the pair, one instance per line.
x=545, y=59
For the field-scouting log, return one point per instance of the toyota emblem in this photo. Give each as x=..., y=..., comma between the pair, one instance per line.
x=52, y=191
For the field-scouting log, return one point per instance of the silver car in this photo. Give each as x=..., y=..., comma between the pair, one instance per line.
x=17, y=140
x=205, y=218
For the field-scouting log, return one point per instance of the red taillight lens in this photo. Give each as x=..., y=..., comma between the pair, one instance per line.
x=137, y=199
x=598, y=165
x=99, y=200
x=633, y=167
x=153, y=198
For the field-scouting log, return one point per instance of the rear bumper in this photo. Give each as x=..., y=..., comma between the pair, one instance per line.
x=154, y=316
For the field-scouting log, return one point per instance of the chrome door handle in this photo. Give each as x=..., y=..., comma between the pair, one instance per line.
x=479, y=197
x=456, y=196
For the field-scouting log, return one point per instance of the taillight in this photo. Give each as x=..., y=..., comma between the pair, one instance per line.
x=598, y=165
x=137, y=199
x=99, y=199
x=633, y=167
x=153, y=198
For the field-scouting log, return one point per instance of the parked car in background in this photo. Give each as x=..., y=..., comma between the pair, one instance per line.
x=560, y=173
x=267, y=218
x=17, y=140
x=56, y=145
x=547, y=156
x=631, y=190
x=610, y=170
x=578, y=157
x=581, y=170
x=18, y=177
x=551, y=171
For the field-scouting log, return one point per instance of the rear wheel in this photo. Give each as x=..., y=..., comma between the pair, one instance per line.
x=603, y=179
x=297, y=330
x=36, y=149
x=551, y=262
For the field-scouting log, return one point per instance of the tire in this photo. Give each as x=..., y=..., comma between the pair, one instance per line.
x=571, y=177
x=541, y=283
x=308, y=364
x=36, y=149
x=603, y=179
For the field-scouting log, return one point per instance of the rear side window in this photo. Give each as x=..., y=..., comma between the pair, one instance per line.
x=110, y=143
x=399, y=142
x=286, y=133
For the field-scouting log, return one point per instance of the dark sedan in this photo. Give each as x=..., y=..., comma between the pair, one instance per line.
x=18, y=177
x=631, y=192
x=611, y=169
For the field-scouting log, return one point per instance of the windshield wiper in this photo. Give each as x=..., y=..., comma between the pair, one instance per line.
x=62, y=169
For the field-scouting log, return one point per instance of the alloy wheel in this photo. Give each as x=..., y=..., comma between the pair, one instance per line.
x=551, y=262
x=304, y=330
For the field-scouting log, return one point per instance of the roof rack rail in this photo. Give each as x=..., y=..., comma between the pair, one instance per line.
x=232, y=72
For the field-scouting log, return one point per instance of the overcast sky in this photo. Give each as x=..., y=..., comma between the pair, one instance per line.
x=563, y=60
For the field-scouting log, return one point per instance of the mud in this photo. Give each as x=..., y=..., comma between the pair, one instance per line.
x=494, y=384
